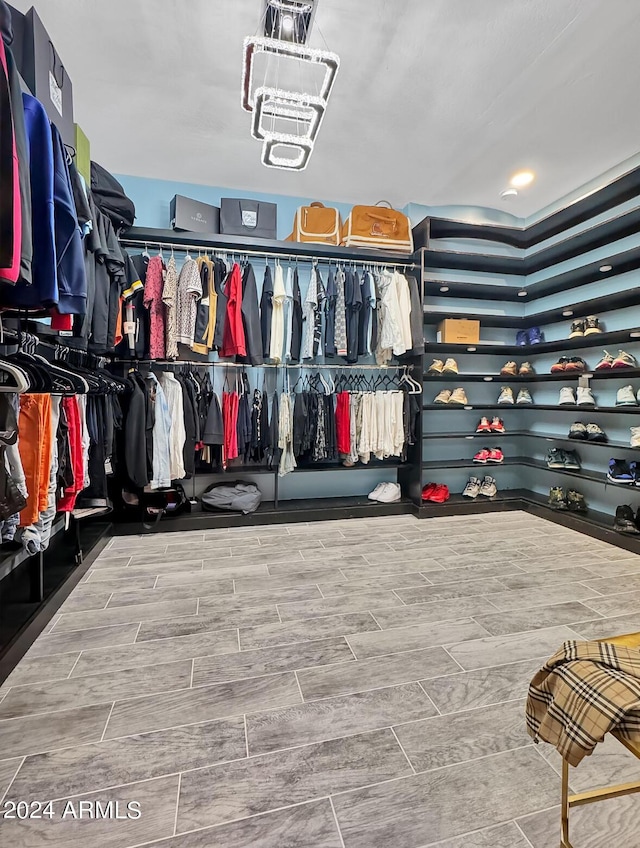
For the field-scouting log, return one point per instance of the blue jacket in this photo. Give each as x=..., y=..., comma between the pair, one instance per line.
x=72, y=278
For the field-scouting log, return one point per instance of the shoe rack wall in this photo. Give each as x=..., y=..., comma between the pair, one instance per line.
x=512, y=279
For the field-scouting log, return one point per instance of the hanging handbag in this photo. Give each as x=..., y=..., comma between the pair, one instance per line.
x=317, y=224
x=378, y=227
x=12, y=500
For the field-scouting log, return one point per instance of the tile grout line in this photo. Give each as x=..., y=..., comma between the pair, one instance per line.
x=526, y=838
x=193, y=668
x=462, y=668
x=175, y=823
x=135, y=638
x=302, y=700
x=335, y=818
x=105, y=725
x=435, y=706
x=246, y=736
x=239, y=645
x=395, y=735
x=68, y=677
x=11, y=782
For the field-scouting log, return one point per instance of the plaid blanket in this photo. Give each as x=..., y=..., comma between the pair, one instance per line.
x=586, y=690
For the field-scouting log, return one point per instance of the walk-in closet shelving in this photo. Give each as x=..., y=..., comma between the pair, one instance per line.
x=276, y=507
x=530, y=275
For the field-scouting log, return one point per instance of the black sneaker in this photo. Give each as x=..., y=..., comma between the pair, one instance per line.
x=595, y=434
x=555, y=458
x=557, y=498
x=576, y=501
x=625, y=522
x=620, y=472
x=577, y=329
x=571, y=461
x=578, y=431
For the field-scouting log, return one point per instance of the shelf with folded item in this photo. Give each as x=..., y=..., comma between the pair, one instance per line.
x=485, y=434
x=600, y=340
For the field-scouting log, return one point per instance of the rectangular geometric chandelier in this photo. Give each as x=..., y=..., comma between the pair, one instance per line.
x=286, y=85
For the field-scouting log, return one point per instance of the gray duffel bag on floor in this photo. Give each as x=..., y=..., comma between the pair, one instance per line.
x=232, y=497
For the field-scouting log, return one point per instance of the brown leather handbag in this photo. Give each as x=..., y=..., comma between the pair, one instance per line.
x=381, y=227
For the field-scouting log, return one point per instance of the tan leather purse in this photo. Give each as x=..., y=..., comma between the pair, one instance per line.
x=317, y=224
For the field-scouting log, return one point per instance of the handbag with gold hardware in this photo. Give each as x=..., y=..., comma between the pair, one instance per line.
x=381, y=227
x=317, y=224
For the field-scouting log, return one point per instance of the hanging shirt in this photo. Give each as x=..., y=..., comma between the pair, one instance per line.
x=161, y=435
x=330, y=316
x=266, y=311
x=318, y=317
x=277, y=316
x=206, y=313
x=404, y=307
x=285, y=436
x=309, y=316
x=10, y=203
x=177, y=436
x=188, y=294
x=153, y=301
x=353, y=299
x=296, y=319
x=364, y=322
x=417, y=317
x=341, y=313
x=219, y=275
x=170, y=300
x=234, y=341
x=288, y=315
x=251, y=317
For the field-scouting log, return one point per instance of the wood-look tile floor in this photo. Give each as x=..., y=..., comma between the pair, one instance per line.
x=347, y=684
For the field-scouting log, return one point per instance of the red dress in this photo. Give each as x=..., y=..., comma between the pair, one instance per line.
x=343, y=423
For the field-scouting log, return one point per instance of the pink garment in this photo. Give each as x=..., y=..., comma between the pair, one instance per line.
x=153, y=287
x=12, y=273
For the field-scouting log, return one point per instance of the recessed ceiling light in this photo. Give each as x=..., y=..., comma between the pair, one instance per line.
x=605, y=268
x=522, y=293
x=508, y=193
x=444, y=288
x=522, y=179
x=568, y=313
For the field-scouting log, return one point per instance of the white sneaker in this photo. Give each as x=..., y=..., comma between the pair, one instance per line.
x=635, y=437
x=626, y=397
x=585, y=396
x=567, y=397
x=373, y=496
x=488, y=487
x=472, y=489
x=506, y=395
x=390, y=494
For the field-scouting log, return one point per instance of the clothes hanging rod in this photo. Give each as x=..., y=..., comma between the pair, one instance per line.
x=316, y=367
x=264, y=254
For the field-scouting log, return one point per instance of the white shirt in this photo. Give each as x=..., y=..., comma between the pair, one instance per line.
x=178, y=436
x=277, y=316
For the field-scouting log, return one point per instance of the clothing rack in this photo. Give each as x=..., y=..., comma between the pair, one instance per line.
x=218, y=364
x=309, y=255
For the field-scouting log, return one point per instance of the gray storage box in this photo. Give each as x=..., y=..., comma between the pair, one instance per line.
x=194, y=216
x=251, y=218
x=46, y=76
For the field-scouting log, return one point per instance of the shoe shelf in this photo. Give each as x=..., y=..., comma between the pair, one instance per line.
x=450, y=407
x=600, y=340
x=432, y=465
x=547, y=437
x=580, y=309
x=604, y=374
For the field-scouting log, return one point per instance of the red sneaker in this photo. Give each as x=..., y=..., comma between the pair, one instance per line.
x=497, y=425
x=483, y=426
x=495, y=455
x=428, y=491
x=440, y=495
x=482, y=456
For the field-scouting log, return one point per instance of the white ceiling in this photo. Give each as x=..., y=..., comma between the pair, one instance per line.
x=437, y=101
